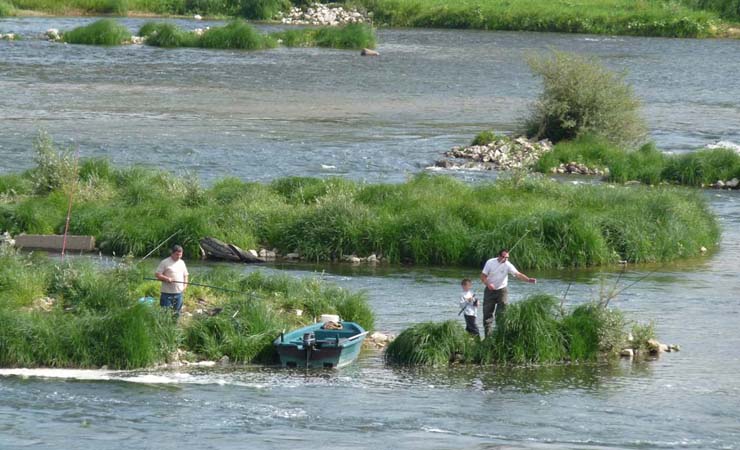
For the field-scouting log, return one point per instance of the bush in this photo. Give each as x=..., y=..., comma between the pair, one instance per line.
x=352, y=36
x=485, y=138
x=729, y=9
x=236, y=35
x=261, y=9
x=101, y=32
x=532, y=331
x=580, y=96
x=429, y=344
x=167, y=35
x=6, y=9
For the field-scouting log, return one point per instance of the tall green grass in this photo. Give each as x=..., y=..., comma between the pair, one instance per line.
x=729, y=9
x=427, y=220
x=6, y=9
x=624, y=17
x=76, y=315
x=101, y=32
x=240, y=35
x=352, y=36
x=647, y=164
x=533, y=331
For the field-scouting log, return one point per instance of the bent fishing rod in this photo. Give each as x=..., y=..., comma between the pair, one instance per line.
x=197, y=284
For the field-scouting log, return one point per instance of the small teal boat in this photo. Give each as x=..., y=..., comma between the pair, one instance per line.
x=320, y=346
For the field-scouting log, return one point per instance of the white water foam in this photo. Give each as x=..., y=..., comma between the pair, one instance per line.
x=724, y=144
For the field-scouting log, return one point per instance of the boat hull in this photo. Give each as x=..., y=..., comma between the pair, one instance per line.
x=330, y=348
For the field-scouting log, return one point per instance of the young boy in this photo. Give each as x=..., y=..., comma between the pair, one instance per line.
x=469, y=305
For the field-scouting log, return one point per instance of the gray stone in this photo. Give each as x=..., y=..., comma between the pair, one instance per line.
x=293, y=256
x=733, y=183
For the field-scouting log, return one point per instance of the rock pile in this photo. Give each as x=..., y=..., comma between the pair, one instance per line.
x=502, y=154
x=321, y=14
x=579, y=169
x=731, y=184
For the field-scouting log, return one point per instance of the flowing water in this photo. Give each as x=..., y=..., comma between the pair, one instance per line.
x=318, y=112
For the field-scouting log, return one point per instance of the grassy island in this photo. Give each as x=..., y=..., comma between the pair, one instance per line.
x=536, y=330
x=680, y=18
x=426, y=220
x=73, y=314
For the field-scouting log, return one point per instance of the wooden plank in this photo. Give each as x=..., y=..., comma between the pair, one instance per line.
x=54, y=242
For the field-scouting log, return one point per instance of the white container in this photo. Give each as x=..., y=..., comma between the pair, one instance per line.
x=329, y=318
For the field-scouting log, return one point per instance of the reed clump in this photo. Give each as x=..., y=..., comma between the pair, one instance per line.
x=353, y=36
x=426, y=220
x=6, y=9
x=101, y=32
x=622, y=17
x=646, y=164
x=76, y=315
x=533, y=331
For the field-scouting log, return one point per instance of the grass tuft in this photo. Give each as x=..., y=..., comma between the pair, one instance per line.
x=533, y=331
x=101, y=32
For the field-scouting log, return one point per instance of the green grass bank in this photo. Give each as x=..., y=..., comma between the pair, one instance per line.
x=426, y=220
x=685, y=18
x=73, y=314
x=620, y=17
x=647, y=164
x=533, y=331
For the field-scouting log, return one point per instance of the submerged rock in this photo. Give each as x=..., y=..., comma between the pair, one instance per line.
x=368, y=52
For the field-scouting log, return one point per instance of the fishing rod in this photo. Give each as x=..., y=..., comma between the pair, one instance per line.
x=526, y=232
x=160, y=244
x=198, y=284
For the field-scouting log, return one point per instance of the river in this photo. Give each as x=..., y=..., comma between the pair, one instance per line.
x=315, y=112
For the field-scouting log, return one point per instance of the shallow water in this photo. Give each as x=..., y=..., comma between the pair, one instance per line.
x=290, y=111
x=320, y=112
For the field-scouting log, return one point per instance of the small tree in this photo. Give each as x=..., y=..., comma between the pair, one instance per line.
x=582, y=96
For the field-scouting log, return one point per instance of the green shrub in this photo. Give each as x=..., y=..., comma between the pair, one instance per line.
x=532, y=331
x=702, y=167
x=236, y=35
x=168, y=35
x=352, y=36
x=430, y=344
x=729, y=9
x=261, y=9
x=580, y=96
x=485, y=138
x=101, y=32
x=6, y=9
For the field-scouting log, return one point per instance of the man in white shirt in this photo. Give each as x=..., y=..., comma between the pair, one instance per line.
x=173, y=274
x=495, y=276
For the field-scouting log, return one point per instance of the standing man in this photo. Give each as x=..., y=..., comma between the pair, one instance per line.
x=173, y=274
x=495, y=276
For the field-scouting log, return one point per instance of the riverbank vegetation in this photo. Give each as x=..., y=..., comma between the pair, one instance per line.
x=352, y=36
x=647, y=164
x=101, y=32
x=426, y=220
x=686, y=18
x=72, y=314
x=620, y=17
x=582, y=96
x=536, y=330
x=237, y=34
